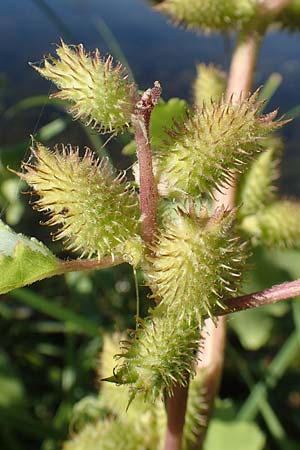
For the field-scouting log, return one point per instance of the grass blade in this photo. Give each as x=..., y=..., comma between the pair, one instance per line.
x=74, y=322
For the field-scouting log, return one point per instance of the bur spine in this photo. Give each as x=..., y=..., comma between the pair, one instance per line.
x=96, y=212
x=99, y=92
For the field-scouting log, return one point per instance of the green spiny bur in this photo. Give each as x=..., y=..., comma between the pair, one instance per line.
x=161, y=354
x=210, y=15
x=196, y=261
x=277, y=225
x=114, y=399
x=256, y=188
x=100, y=92
x=107, y=435
x=205, y=152
x=97, y=213
x=209, y=86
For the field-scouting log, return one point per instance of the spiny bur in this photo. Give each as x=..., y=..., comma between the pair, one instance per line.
x=210, y=15
x=276, y=226
x=161, y=354
x=216, y=142
x=256, y=188
x=101, y=95
x=196, y=261
x=97, y=212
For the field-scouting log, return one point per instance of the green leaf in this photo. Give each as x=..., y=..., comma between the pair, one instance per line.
x=23, y=260
x=234, y=435
x=281, y=362
x=163, y=116
x=253, y=328
x=269, y=89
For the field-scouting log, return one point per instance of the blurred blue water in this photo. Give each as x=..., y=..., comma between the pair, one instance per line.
x=153, y=47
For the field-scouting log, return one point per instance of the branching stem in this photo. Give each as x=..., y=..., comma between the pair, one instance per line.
x=175, y=405
x=274, y=294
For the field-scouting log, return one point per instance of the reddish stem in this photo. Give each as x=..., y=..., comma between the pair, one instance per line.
x=175, y=408
x=274, y=294
x=148, y=190
x=75, y=265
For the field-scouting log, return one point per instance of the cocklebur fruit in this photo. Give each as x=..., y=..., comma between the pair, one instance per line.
x=204, y=153
x=100, y=93
x=161, y=354
x=209, y=86
x=96, y=211
x=277, y=225
x=210, y=15
x=195, y=262
x=257, y=187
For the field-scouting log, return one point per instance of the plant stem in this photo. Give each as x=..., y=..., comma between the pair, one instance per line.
x=274, y=294
x=148, y=190
x=89, y=264
x=175, y=405
x=175, y=408
x=243, y=65
x=240, y=81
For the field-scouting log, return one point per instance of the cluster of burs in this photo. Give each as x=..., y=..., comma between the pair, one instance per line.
x=198, y=254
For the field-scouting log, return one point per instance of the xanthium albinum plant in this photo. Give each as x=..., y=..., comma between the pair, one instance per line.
x=192, y=255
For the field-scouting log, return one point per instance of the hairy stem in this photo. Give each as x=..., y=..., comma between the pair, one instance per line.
x=148, y=190
x=274, y=294
x=175, y=405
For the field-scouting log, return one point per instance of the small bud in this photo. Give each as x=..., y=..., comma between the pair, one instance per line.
x=209, y=85
x=204, y=153
x=276, y=226
x=210, y=15
x=100, y=93
x=97, y=212
x=196, y=261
